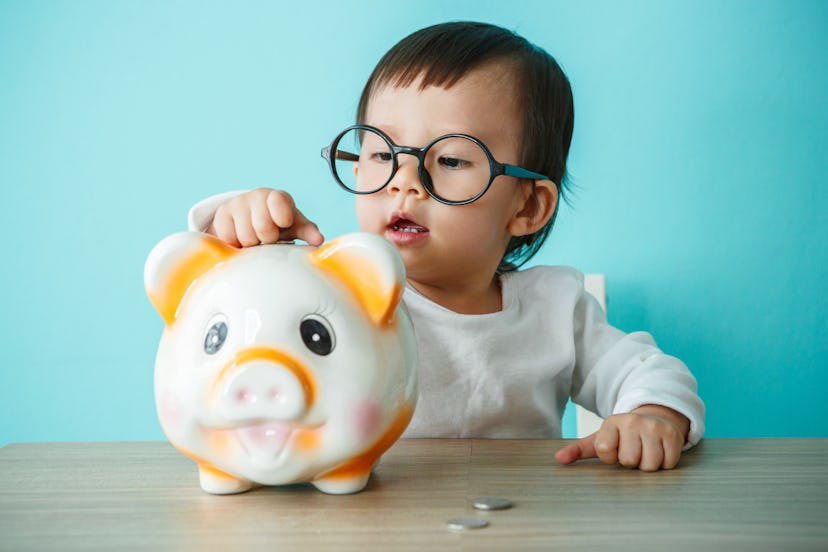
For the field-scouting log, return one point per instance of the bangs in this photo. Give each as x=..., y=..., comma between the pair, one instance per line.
x=442, y=75
x=442, y=54
x=443, y=59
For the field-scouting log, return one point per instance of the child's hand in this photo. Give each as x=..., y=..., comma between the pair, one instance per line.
x=262, y=216
x=648, y=438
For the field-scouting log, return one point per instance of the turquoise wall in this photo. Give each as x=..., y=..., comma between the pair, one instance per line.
x=699, y=157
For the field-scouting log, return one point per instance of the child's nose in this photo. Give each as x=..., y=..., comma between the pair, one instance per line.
x=407, y=179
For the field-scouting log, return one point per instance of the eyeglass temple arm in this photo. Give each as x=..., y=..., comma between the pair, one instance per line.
x=514, y=170
x=344, y=155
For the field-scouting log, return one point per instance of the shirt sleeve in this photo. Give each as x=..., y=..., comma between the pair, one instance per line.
x=617, y=372
x=201, y=214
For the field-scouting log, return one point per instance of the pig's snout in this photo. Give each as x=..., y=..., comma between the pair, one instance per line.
x=262, y=390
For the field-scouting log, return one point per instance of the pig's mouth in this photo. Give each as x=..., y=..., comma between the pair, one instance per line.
x=263, y=442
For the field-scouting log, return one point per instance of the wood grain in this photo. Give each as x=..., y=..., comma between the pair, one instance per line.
x=742, y=494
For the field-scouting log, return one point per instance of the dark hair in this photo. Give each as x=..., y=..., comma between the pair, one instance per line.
x=444, y=53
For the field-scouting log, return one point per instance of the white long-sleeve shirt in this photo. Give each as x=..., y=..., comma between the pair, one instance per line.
x=509, y=374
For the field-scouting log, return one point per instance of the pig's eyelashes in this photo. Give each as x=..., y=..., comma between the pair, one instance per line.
x=215, y=337
x=317, y=334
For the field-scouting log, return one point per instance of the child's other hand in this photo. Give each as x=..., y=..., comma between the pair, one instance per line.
x=262, y=216
x=648, y=438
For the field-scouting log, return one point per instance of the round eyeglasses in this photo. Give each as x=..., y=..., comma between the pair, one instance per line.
x=454, y=169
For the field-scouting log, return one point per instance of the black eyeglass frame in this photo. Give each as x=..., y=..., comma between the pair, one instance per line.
x=495, y=167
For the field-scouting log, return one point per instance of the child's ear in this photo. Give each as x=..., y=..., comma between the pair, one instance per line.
x=535, y=209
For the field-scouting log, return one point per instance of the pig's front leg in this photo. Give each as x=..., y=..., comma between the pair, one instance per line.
x=339, y=482
x=215, y=481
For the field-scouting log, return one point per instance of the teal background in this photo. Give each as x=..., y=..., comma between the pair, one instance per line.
x=699, y=159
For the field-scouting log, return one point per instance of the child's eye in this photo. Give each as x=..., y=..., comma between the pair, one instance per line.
x=453, y=163
x=381, y=156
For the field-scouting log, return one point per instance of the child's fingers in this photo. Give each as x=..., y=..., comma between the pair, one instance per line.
x=245, y=232
x=652, y=452
x=579, y=450
x=263, y=224
x=307, y=230
x=292, y=223
x=281, y=208
x=672, y=451
x=621, y=441
x=225, y=229
x=606, y=442
x=629, y=449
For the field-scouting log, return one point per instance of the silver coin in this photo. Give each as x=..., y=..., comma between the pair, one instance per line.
x=462, y=524
x=491, y=503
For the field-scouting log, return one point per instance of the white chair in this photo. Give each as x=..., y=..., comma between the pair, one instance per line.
x=585, y=421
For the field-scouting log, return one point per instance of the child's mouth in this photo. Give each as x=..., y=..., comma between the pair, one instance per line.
x=408, y=226
x=402, y=230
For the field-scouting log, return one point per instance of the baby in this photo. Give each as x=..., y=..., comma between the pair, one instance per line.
x=459, y=160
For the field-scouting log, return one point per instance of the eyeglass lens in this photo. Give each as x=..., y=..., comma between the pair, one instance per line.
x=458, y=168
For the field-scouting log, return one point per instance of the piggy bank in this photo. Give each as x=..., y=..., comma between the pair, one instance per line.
x=282, y=363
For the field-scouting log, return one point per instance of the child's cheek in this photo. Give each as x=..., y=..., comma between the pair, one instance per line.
x=370, y=216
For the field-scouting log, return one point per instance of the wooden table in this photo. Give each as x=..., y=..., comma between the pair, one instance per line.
x=740, y=494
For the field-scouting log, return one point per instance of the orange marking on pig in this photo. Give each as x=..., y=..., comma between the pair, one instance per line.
x=219, y=441
x=272, y=355
x=215, y=472
x=202, y=463
x=193, y=456
x=364, y=281
x=181, y=278
x=363, y=462
x=307, y=440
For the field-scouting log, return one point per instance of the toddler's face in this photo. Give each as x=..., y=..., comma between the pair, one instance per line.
x=442, y=244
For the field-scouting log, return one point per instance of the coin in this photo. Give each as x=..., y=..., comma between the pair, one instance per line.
x=462, y=524
x=491, y=503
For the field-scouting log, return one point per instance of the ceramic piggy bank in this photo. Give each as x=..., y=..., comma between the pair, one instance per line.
x=282, y=363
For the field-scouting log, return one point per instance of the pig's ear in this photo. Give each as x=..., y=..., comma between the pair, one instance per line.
x=175, y=263
x=370, y=267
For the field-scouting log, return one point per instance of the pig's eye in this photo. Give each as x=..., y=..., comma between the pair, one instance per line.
x=317, y=334
x=215, y=337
